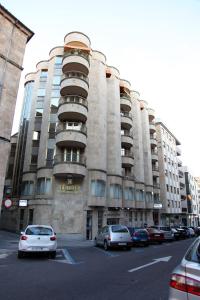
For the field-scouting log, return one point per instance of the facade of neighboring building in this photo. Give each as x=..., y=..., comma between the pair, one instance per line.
x=87, y=149
x=190, y=201
x=169, y=163
x=13, y=38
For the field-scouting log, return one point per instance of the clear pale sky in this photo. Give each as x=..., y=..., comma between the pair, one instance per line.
x=155, y=44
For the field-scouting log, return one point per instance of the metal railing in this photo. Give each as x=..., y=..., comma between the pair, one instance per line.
x=77, y=53
x=124, y=95
x=75, y=74
x=128, y=154
x=126, y=114
x=73, y=99
x=127, y=133
x=62, y=127
x=71, y=159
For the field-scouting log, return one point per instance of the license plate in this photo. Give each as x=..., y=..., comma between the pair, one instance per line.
x=157, y=235
x=122, y=244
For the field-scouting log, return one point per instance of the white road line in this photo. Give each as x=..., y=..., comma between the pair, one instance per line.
x=4, y=255
x=68, y=257
x=107, y=253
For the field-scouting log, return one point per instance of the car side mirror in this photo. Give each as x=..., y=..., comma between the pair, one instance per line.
x=22, y=232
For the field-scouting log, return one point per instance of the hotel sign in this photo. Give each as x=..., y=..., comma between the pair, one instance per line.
x=69, y=188
x=157, y=205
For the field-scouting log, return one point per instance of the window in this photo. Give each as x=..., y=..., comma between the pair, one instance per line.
x=30, y=217
x=56, y=80
x=128, y=193
x=58, y=60
x=115, y=191
x=34, y=159
x=43, y=186
x=44, y=73
x=36, y=135
x=55, y=93
x=72, y=155
x=148, y=196
x=98, y=188
x=54, y=101
x=41, y=92
x=156, y=198
x=39, y=112
x=73, y=125
x=27, y=188
x=139, y=195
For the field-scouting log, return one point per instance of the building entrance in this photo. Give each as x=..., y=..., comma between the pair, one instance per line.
x=112, y=221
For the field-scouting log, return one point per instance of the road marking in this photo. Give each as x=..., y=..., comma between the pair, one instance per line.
x=107, y=253
x=138, y=250
x=164, y=259
x=4, y=255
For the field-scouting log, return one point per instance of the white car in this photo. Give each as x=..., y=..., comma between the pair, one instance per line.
x=185, y=279
x=37, y=238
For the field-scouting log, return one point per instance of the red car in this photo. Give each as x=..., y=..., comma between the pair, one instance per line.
x=155, y=235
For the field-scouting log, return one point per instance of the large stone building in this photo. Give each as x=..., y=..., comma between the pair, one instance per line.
x=87, y=150
x=13, y=38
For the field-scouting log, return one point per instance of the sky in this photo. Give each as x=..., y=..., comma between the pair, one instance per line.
x=155, y=44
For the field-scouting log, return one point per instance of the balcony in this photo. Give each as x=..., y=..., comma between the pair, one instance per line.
x=152, y=127
x=151, y=114
x=127, y=160
x=156, y=188
x=74, y=83
x=71, y=137
x=179, y=163
x=154, y=155
x=63, y=167
x=125, y=102
x=127, y=139
x=73, y=108
x=155, y=171
x=126, y=120
x=77, y=61
x=153, y=140
x=180, y=174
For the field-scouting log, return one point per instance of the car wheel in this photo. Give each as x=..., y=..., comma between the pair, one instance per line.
x=52, y=255
x=20, y=254
x=105, y=245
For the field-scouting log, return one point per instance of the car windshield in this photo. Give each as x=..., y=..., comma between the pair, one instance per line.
x=118, y=228
x=193, y=253
x=39, y=230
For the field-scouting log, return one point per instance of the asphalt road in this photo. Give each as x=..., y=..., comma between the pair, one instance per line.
x=88, y=272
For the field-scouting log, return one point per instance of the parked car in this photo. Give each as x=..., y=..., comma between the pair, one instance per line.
x=155, y=235
x=185, y=279
x=183, y=233
x=37, y=238
x=197, y=230
x=168, y=233
x=177, y=234
x=192, y=232
x=114, y=236
x=139, y=236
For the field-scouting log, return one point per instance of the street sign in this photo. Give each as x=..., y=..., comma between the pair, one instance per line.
x=23, y=203
x=8, y=203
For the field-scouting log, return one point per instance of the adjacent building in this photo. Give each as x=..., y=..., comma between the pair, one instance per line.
x=13, y=38
x=87, y=151
x=170, y=184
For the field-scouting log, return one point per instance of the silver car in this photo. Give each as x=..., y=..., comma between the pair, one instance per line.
x=114, y=236
x=185, y=279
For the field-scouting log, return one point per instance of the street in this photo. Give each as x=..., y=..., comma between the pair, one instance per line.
x=86, y=272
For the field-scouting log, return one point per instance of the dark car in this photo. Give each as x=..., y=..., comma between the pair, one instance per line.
x=139, y=236
x=183, y=233
x=155, y=235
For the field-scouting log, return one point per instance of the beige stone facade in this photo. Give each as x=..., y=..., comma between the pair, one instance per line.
x=90, y=150
x=13, y=38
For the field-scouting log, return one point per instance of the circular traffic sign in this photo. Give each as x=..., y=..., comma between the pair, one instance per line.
x=8, y=203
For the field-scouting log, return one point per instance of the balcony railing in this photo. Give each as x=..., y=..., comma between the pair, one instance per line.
x=124, y=95
x=62, y=127
x=72, y=159
x=77, y=53
x=126, y=114
x=127, y=133
x=156, y=185
x=128, y=154
x=155, y=168
x=73, y=99
x=74, y=74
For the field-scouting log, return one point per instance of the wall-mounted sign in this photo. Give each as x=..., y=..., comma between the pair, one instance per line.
x=157, y=205
x=73, y=188
x=23, y=203
x=8, y=203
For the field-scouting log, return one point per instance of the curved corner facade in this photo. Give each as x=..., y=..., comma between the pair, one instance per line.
x=88, y=158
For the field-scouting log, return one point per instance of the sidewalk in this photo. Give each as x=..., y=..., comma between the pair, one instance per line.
x=7, y=236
